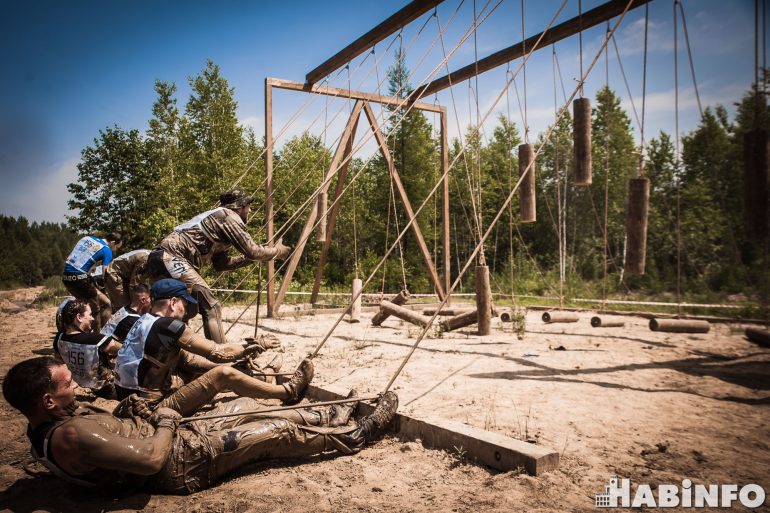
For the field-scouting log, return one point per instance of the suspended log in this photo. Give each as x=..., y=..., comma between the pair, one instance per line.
x=399, y=299
x=761, y=337
x=446, y=312
x=559, y=316
x=598, y=322
x=755, y=182
x=404, y=314
x=636, y=225
x=483, y=300
x=527, y=201
x=581, y=134
x=321, y=204
x=460, y=321
x=679, y=325
x=355, y=294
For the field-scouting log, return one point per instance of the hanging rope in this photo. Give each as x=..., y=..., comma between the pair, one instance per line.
x=606, y=173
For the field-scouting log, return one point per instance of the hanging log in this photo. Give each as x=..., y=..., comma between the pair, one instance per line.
x=598, y=322
x=559, y=316
x=636, y=225
x=527, y=201
x=460, y=321
x=581, y=133
x=483, y=300
x=679, y=325
x=755, y=182
x=321, y=205
x=761, y=337
x=355, y=294
x=404, y=314
x=399, y=299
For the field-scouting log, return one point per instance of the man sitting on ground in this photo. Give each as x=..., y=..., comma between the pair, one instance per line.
x=96, y=449
x=123, y=320
x=152, y=350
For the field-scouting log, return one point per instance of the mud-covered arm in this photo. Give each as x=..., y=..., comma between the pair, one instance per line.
x=235, y=232
x=194, y=363
x=82, y=444
x=218, y=353
x=224, y=262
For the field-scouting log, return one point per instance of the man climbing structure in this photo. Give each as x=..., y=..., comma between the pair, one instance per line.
x=206, y=238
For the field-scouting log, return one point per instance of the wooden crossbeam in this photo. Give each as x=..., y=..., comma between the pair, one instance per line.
x=401, y=18
x=564, y=30
x=392, y=101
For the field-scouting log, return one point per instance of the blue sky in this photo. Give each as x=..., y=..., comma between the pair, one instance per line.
x=73, y=68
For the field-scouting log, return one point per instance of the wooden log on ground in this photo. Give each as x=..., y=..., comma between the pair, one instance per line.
x=560, y=316
x=581, y=115
x=679, y=325
x=483, y=300
x=527, y=191
x=761, y=337
x=506, y=316
x=446, y=312
x=404, y=314
x=598, y=322
x=355, y=294
x=460, y=321
x=399, y=299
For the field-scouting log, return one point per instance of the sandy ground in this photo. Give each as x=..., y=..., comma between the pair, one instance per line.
x=652, y=407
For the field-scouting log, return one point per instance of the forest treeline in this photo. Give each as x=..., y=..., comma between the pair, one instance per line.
x=145, y=182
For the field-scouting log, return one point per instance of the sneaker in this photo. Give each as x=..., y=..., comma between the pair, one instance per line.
x=370, y=427
x=299, y=381
x=339, y=414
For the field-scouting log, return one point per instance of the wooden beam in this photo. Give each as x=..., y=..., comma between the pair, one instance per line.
x=405, y=200
x=308, y=228
x=269, y=192
x=401, y=18
x=564, y=30
x=492, y=449
x=394, y=101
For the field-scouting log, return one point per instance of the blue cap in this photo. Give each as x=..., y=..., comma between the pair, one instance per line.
x=168, y=288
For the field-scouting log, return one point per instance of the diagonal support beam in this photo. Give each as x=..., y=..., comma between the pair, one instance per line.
x=562, y=31
x=347, y=135
x=406, y=15
x=405, y=200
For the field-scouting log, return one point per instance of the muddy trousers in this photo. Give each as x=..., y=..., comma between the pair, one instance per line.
x=207, y=450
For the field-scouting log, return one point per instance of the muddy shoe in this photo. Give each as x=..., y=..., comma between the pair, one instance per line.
x=370, y=427
x=339, y=414
x=298, y=382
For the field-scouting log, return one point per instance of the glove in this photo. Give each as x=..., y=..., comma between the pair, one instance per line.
x=226, y=353
x=165, y=417
x=264, y=342
x=283, y=250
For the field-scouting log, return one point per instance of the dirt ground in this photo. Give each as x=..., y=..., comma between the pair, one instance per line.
x=652, y=407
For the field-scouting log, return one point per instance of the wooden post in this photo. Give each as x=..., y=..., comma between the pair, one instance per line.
x=761, y=337
x=355, y=310
x=320, y=235
x=559, y=316
x=679, y=325
x=581, y=135
x=598, y=322
x=636, y=225
x=444, y=166
x=527, y=201
x=399, y=299
x=483, y=300
x=404, y=314
x=460, y=321
x=269, y=193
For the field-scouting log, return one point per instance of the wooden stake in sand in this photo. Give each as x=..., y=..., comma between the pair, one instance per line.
x=679, y=325
x=559, y=316
x=399, y=299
